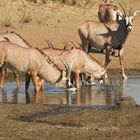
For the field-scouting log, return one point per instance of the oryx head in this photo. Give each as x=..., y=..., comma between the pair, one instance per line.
x=129, y=18
x=100, y=73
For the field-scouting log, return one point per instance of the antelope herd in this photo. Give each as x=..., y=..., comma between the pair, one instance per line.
x=64, y=67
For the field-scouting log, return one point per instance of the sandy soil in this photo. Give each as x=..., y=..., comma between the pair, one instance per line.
x=41, y=122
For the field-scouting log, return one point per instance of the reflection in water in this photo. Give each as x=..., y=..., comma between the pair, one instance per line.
x=101, y=95
x=28, y=100
x=4, y=96
x=38, y=98
x=15, y=95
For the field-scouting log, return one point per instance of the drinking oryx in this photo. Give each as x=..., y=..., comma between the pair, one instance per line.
x=16, y=39
x=85, y=78
x=19, y=59
x=73, y=58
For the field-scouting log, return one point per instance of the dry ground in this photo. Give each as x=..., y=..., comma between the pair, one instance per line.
x=41, y=122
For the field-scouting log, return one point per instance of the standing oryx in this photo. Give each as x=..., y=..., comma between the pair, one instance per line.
x=108, y=12
x=98, y=37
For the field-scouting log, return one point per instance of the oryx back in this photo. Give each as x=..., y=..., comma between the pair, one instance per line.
x=14, y=38
x=19, y=59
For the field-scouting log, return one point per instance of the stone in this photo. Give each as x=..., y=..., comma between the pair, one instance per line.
x=126, y=103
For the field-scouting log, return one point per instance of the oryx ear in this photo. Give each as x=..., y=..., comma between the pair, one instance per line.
x=6, y=39
x=120, y=16
x=135, y=12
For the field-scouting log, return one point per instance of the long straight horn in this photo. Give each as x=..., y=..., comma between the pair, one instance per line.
x=68, y=72
x=49, y=44
x=123, y=9
x=130, y=11
x=106, y=65
x=68, y=69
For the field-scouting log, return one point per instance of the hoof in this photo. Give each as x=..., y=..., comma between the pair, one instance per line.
x=71, y=89
x=93, y=84
x=101, y=82
x=125, y=77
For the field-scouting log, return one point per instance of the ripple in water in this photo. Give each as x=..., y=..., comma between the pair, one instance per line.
x=99, y=95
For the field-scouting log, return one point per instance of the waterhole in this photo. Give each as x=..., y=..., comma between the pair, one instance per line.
x=99, y=95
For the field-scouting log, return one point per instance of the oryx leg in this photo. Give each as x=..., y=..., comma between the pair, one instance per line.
x=17, y=79
x=107, y=59
x=77, y=80
x=2, y=68
x=82, y=76
x=2, y=73
x=27, y=81
x=40, y=83
x=68, y=75
x=91, y=80
x=37, y=88
x=121, y=63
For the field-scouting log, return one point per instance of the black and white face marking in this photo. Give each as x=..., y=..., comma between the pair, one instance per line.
x=129, y=23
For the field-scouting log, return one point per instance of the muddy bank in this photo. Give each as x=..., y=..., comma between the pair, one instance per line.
x=35, y=121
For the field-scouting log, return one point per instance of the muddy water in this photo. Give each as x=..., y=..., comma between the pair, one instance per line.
x=100, y=95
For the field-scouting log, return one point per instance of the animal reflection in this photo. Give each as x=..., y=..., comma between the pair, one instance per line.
x=104, y=95
x=5, y=98
x=38, y=97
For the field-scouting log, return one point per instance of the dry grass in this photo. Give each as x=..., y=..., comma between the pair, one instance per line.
x=21, y=11
x=37, y=11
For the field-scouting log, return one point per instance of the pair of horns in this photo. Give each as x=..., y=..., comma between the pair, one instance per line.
x=50, y=45
x=130, y=11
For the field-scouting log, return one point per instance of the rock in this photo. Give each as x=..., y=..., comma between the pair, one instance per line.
x=126, y=103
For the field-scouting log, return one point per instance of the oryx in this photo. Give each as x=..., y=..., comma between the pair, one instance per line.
x=100, y=37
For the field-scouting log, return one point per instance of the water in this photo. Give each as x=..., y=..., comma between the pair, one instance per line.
x=99, y=95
